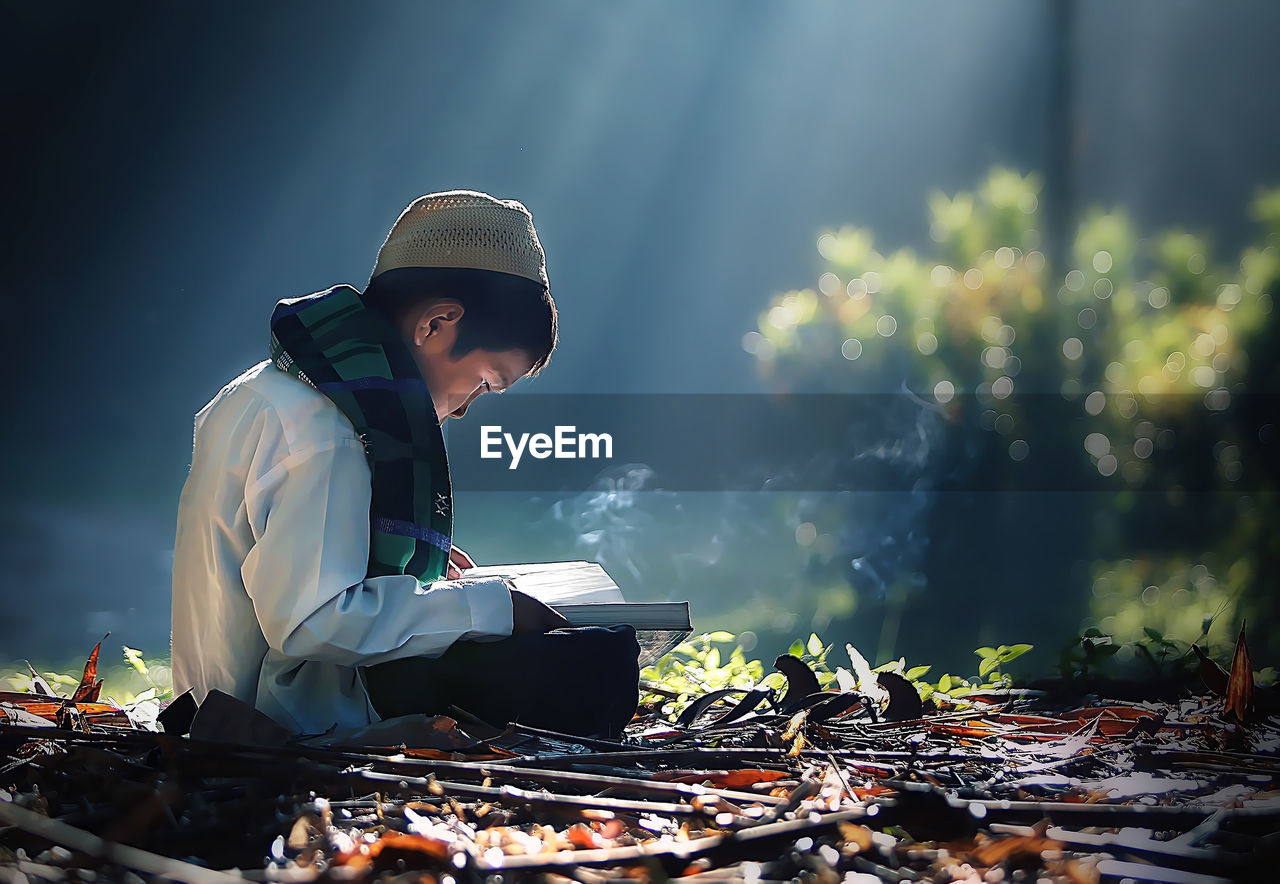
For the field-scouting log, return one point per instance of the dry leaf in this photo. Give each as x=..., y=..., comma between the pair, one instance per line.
x=90, y=685
x=1211, y=673
x=416, y=851
x=722, y=779
x=801, y=682
x=1240, y=682
x=904, y=700
x=1018, y=848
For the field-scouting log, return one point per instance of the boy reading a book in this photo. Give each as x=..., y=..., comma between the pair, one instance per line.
x=314, y=571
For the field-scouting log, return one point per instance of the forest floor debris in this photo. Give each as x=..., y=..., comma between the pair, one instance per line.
x=822, y=788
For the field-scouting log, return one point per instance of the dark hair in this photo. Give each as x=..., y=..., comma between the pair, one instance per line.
x=502, y=311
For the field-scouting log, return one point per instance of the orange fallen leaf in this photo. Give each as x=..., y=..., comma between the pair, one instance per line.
x=723, y=779
x=581, y=836
x=1015, y=847
x=90, y=685
x=415, y=850
x=492, y=754
x=1240, y=682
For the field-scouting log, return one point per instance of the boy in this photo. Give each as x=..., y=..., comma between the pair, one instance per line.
x=315, y=527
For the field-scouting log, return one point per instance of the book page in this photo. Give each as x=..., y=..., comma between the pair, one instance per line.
x=558, y=583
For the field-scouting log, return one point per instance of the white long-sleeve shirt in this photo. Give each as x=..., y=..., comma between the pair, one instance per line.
x=270, y=599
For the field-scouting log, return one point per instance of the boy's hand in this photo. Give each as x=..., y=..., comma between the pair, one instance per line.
x=530, y=615
x=459, y=561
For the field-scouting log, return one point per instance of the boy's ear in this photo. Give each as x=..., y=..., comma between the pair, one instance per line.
x=435, y=318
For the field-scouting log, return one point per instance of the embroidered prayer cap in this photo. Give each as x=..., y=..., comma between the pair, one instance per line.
x=465, y=228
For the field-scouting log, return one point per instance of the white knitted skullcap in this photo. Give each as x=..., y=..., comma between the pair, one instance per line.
x=465, y=228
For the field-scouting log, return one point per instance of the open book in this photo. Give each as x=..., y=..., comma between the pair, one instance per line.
x=587, y=596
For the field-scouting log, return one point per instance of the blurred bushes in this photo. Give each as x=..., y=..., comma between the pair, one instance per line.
x=1159, y=354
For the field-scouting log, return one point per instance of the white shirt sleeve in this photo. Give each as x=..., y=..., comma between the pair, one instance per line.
x=305, y=573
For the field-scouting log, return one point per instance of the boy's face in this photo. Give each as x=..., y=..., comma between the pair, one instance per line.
x=456, y=383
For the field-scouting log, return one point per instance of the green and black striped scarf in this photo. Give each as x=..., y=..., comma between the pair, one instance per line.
x=352, y=354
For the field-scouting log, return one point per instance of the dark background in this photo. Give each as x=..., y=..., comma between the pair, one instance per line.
x=174, y=169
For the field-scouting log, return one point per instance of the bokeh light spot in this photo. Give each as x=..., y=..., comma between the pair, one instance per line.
x=1072, y=348
x=1018, y=450
x=944, y=391
x=1229, y=296
x=886, y=325
x=851, y=349
x=806, y=533
x=1102, y=261
x=1218, y=399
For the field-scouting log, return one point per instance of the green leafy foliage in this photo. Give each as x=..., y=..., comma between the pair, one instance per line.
x=695, y=667
x=1149, y=338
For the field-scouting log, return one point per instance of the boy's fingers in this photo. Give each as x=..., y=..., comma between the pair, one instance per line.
x=461, y=559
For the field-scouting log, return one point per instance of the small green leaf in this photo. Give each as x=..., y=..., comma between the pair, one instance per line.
x=1154, y=634
x=796, y=649
x=720, y=636
x=815, y=644
x=984, y=653
x=1012, y=652
x=917, y=672
x=988, y=664
x=944, y=683
x=713, y=658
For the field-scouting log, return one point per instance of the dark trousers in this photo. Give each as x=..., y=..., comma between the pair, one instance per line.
x=582, y=681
